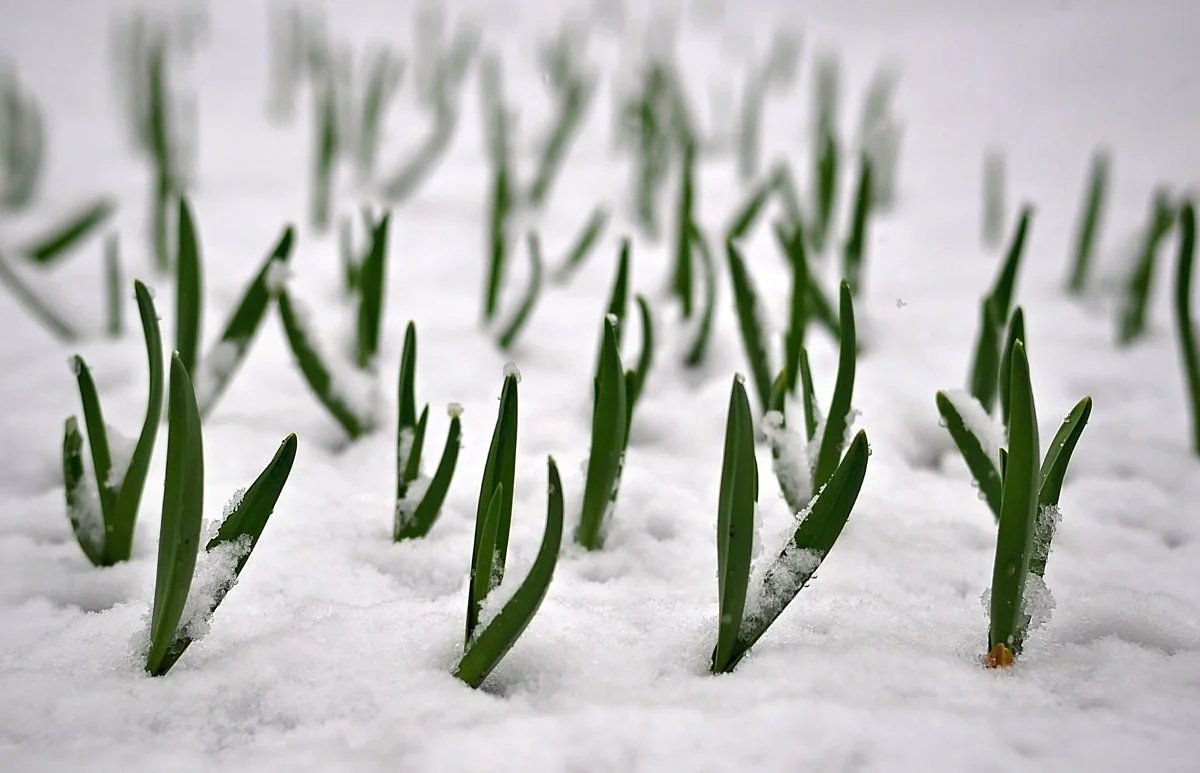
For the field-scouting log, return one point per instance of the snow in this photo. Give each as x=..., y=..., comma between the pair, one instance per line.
x=335, y=651
x=986, y=428
x=120, y=452
x=216, y=367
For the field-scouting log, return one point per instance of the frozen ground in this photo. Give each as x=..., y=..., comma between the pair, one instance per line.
x=334, y=652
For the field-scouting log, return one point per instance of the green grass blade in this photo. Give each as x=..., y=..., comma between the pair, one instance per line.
x=748, y=214
x=325, y=151
x=645, y=357
x=793, y=246
x=618, y=299
x=129, y=496
x=249, y=517
x=407, y=178
x=682, y=282
x=532, y=291
x=1058, y=454
x=114, y=301
x=243, y=527
x=50, y=319
x=735, y=524
x=97, y=433
x=498, y=636
x=749, y=323
x=490, y=545
x=59, y=240
x=315, y=372
x=589, y=236
x=183, y=505
x=1016, y=332
x=1136, y=303
x=814, y=537
x=837, y=421
x=699, y=347
x=826, y=192
x=856, y=243
x=574, y=100
x=407, y=382
x=372, y=285
x=501, y=204
x=808, y=396
x=609, y=422
x=188, y=289
x=411, y=469
x=1005, y=286
x=1053, y=471
x=994, y=187
x=981, y=464
x=1018, y=515
x=820, y=309
x=984, y=379
x=1089, y=222
x=426, y=512
x=75, y=486
x=789, y=199
x=224, y=360
x=1183, y=315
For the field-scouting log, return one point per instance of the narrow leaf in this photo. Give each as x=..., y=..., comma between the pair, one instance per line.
x=59, y=240
x=188, y=289
x=749, y=323
x=532, y=291
x=837, y=421
x=609, y=422
x=983, y=468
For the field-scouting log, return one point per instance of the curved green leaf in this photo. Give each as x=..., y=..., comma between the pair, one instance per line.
x=1018, y=514
x=426, y=512
x=1016, y=332
x=183, y=506
x=243, y=325
x=983, y=468
x=814, y=537
x=735, y=525
x=315, y=372
x=73, y=483
x=372, y=282
x=490, y=545
x=129, y=496
x=189, y=301
x=50, y=246
x=749, y=323
x=609, y=422
x=532, y=291
x=497, y=637
x=699, y=347
x=837, y=421
x=1188, y=351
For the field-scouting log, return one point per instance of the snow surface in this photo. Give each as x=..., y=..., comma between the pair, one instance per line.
x=335, y=649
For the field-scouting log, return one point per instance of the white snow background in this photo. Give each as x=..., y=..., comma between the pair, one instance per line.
x=335, y=650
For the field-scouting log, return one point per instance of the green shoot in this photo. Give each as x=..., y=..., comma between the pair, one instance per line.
x=22, y=148
x=573, y=93
x=1018, y=516
x=609, y=425
x=525, y=309
x=501, y=202
x=113, y=282
x=181, y=612
x=837, y=421
x=856, y=242
x=1016, y=332
x=808, y=300
x=103, y=515
x=779, y=69
x=419, y=499
x=53, y=321
x=493, y=515
x=224, y=359
x=384, y=72
x=372, y=283
x=497, y=636
x=589, y=235
x=1131, y=322
x=699, y=346
x=59, y=240
x=880, y=135
x=984, y=378
x=1089, y=221
x=744, y=618
x=635, y=379
x=1183, y=314
x=750, y=323
x=325, y=152
x=189, y=290
x=681, y=279
x=826, y=148
x=994, y=195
